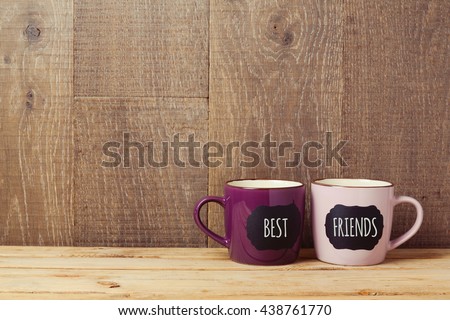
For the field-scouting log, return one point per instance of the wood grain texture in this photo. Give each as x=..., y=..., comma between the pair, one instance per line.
x=275, y=68
x=35, y=122
x=141, y=48
x=188, y=273
x=137, y=204
x=373, y=73
x=396, y=106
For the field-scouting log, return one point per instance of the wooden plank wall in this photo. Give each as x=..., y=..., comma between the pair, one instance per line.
x=275, y=68
x=36, y=97
x=141, y=67
x=396, y=105
x=76, y=75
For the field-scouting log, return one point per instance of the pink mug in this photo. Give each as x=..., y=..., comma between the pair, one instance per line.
x=352, y=220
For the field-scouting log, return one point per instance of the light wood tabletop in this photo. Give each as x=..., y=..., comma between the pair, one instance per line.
x=207, y=273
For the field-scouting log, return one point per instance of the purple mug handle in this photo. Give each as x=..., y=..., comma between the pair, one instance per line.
x=220, y=200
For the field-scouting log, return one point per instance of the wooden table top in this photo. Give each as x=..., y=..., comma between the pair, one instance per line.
x=207, y=273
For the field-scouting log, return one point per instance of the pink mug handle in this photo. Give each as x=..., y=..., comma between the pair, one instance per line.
x=220, y=200
x=419, y=218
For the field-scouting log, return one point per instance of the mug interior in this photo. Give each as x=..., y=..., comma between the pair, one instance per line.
x=264, y=184
x=353, y=183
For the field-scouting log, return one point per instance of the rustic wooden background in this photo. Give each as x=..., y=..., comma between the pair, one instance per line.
x=76, y=74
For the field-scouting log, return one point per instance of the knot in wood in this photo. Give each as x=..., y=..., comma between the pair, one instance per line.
x=280, y=30
x=29, y=99
x=32, y=32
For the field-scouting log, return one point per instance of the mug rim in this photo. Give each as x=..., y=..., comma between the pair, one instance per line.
x=371, y=183
x=298, y=184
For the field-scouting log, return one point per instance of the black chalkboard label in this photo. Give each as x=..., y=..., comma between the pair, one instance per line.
x=274, y=228
x=354, y=228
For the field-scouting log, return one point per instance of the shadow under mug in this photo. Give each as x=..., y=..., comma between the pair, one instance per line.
x=352, y=220
x=263, y=220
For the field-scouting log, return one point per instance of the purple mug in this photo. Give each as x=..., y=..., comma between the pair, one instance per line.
x=263, y=220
